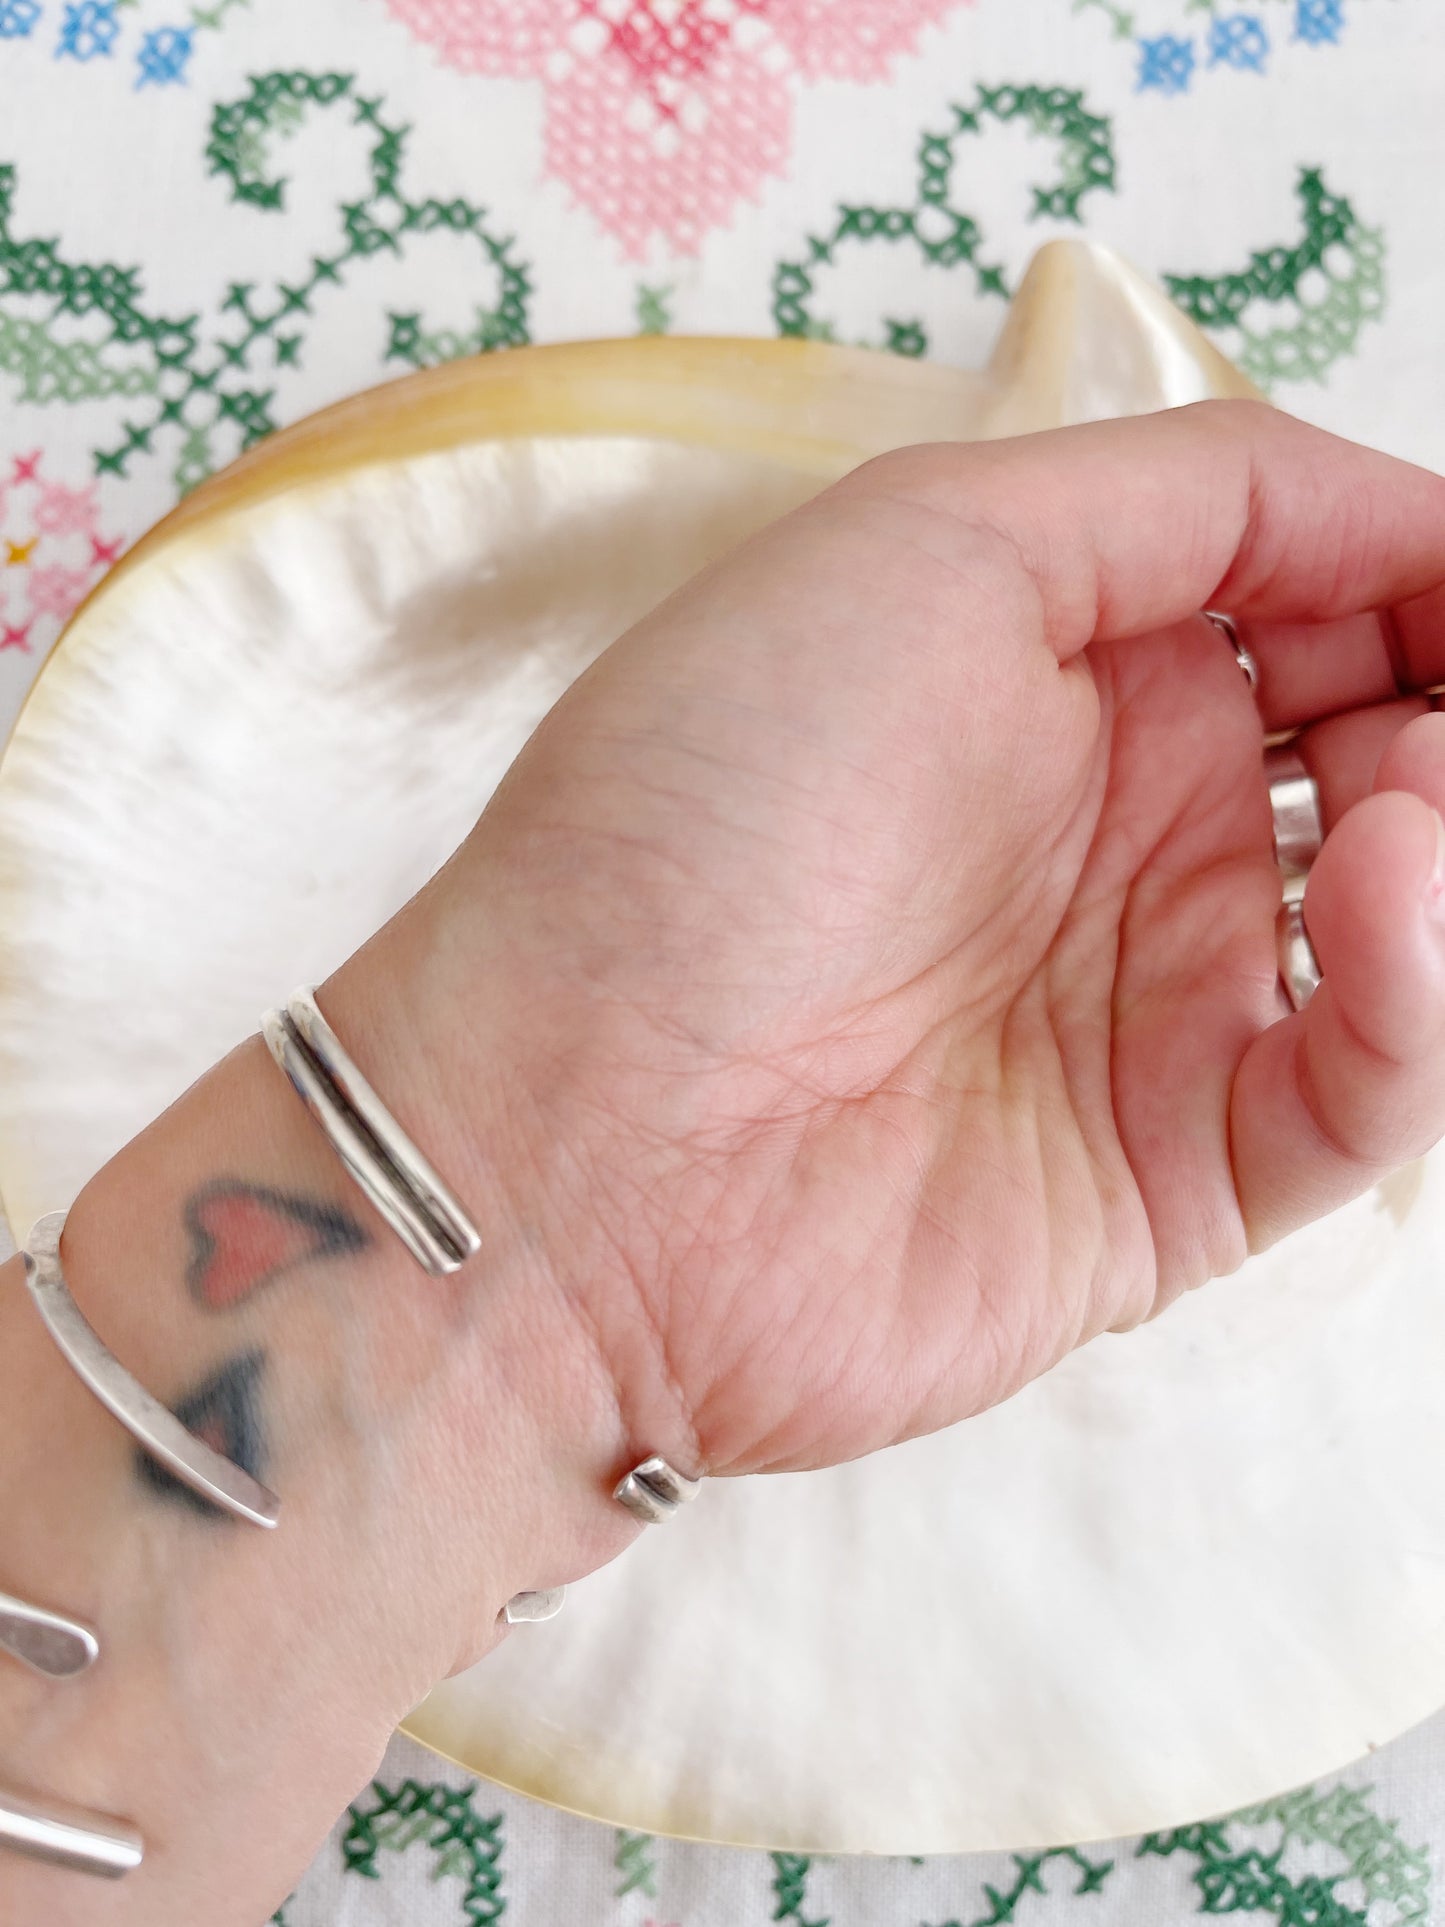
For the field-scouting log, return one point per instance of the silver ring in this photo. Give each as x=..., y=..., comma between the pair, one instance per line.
x=159, y=1432
x=1229, y=630
x=423, y=1210
x=1299, y=834
x=1299, y=967
x=47, y=1642
x=653, y=1491
x=68, y=1836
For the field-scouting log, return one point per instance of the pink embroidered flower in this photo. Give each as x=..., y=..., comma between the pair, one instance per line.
x=66, y=511
x=662, y=115
x=52, y=550
x=56, y=590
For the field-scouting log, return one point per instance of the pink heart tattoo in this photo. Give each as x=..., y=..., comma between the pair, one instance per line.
x=244, y=1236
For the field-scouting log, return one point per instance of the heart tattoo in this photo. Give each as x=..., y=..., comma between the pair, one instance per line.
x=244, y=1236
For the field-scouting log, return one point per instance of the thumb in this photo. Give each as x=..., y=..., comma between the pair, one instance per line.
x=1329, y=1100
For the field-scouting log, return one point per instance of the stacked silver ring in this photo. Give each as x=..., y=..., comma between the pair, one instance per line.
x=421, y=1208
x=1294, y=802
x=1229, y=630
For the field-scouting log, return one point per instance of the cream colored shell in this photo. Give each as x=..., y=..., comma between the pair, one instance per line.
x=1189, y=1568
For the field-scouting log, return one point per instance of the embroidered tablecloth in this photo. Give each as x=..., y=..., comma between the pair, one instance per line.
x=217, y=215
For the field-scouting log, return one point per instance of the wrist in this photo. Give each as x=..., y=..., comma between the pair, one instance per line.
x=437, y=1445
x=510, y=1090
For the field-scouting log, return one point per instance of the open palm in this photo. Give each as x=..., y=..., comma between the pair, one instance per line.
x=887, y=923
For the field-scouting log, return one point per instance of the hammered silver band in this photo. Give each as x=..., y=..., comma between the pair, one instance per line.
x=1294, y=805
x=654, y=1491
x=421, y=1208
x=1299, y=834
x=157, y=1431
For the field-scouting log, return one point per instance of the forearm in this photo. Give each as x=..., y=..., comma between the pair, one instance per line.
x=438, y=1445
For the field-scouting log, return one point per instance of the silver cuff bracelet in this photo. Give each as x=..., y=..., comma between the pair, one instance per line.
x=653, y=1491
x=68, y=1836
x=158, y=1432
x=415, y=1201
x=47, y=1642
x=54, y=1644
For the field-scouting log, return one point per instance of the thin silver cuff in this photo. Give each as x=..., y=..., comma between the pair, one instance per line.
x=653, y=1491
x=47, y=1642
x=531, y=1608
x=423, y=1210
x=68, y=1836
x=157, y=1431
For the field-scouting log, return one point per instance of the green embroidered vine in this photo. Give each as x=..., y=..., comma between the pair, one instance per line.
x=1329, y=284
x=1288, y=315
x=1391, y=1874
x=1230, y=1874
x=381, y=220
x=1119, y=17
x=634, y=1862
x=134, y=350
x=1244, y=1880
x=790, y=1888
x=944, y=234
x=77, y=331
x=1028, y=1879
x=494, y=328
x=467, y=1848
x=213, y=17
x=791, y=1872
x=653, y=314
x=1235, y=1878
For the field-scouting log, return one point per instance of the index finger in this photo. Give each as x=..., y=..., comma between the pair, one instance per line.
x=1130, y=526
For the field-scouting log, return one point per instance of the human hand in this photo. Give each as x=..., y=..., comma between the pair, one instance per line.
x=873, y=955
x=862, y=990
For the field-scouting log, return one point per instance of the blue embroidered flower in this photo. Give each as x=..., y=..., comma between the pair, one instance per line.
x=1320, y=22
x=90, y=28
x=18, y=18
x=1238, y=40
x=1166, y=64
x=164, y=55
